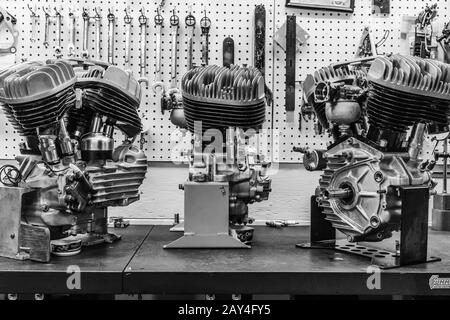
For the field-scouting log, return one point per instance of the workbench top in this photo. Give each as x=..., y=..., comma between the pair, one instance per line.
x=101, y=268
x=139, y=264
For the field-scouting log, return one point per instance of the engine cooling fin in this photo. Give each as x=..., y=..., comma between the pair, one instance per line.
x=37, y=94
x=406, y=90
x=114, y=93
x=222, y=97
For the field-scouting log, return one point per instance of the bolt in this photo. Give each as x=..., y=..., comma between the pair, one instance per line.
x=375, y=222
x=378, y=176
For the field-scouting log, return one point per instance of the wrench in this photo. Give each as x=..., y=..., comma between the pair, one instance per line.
x=98, y=23
x=205, y=25
x=111, y=26
x=128, y=20
x=143, y=63
x=190, y=24
x=85, y=15
x=71, y=45
x=174, y=23
x=47, y=27
x=158, y=86
x=34, y=20
x=58, y=49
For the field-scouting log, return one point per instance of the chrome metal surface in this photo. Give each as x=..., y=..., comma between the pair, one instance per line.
x=98, y=23
x=143, y=54
x=111, y=33
x=128, y=24
x=72, y=32
x=86, y=22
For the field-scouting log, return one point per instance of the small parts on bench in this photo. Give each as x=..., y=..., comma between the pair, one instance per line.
x=119, y=222
x=281, y=223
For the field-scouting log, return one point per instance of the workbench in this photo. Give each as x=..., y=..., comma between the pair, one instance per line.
x=139, y=264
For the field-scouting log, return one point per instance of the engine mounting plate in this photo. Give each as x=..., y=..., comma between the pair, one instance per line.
x=384, y=259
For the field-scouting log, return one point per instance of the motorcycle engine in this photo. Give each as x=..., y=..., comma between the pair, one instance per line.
x=378, y=118
x=69, y=168
x=219, y=104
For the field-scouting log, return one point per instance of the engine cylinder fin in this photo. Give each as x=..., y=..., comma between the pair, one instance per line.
x=37, y=94
x=407, y=90
x=221, y=97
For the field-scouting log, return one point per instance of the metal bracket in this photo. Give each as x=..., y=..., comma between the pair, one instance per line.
x=413, y=235
x=11, y=24
x=206, y=223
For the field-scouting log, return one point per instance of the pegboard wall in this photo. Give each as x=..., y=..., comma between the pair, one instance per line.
x=334, y=37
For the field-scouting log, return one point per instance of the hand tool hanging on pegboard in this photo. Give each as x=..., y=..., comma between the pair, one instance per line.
x=172, y=99
x=174, y=24
x=58, y=21
x=34, y=21
x=290, y=66
x=10, y=22
x=86, y=21
x=46, y=27
x=72, y=33
x=228, y=52
x=190, y=26
x=205, y=25
x=260, y=47
x=143, y=54
x=158, y=86
x=111, y=33
x=128, y=20
x=98, y=25
x=290, y=36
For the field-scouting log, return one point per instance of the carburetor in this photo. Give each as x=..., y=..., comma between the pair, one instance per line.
x=69, y=170
x=378, y=120
x=225, y=173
